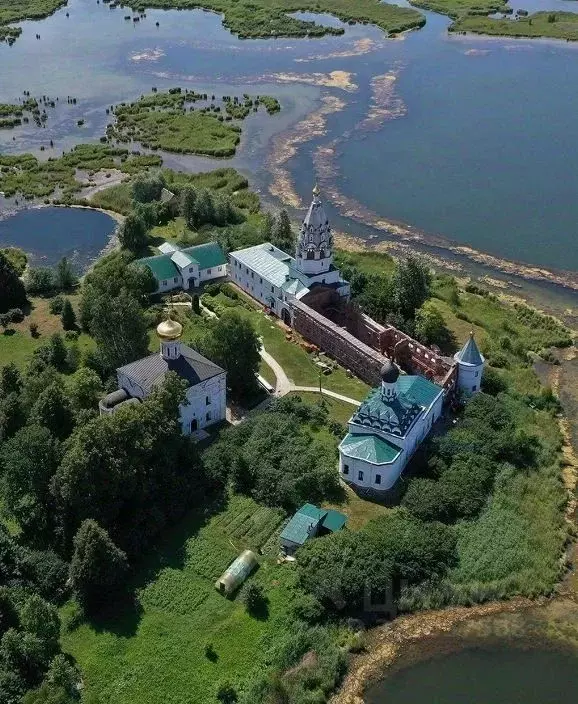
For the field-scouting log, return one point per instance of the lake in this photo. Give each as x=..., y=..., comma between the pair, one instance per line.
x=48, y=234
x=471, y=139
x=489, y=675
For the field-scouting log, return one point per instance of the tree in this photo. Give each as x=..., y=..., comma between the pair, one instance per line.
x=132, y=233
x=40, y=281
x=83, y=389
x=10, y=379
x=411, y=281
x=227, y=694
x=57, y=351
x=267, y=227
x=52, y=409
x=65, y=277
x=254, y=599
x=29, y=461
x=97, y=566
x=132, y=471
x=281, y=234
x=62, y=674
x=41, y=619
x=430, y=327
x=205, y=208
x=12, y=292
x=11, y=415
x=235, y=345
x=109, y=277
x=148, y=187
x=189, y=206
x=68, y=316
x=119, y=328
x=49, y=694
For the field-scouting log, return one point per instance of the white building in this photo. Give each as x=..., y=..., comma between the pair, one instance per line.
x=470, y=363
x=387, y=429
x=274, y=278
x=207, y=390
x=177, y=268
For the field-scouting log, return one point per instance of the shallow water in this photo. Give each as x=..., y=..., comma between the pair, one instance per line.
x=475, y=140
x=496, y=675
x=48, y=234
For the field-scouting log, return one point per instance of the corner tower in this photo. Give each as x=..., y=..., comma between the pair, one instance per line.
x=314, y=252
x=470, y=363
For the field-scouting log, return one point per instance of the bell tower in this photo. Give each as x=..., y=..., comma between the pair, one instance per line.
x=314, y=251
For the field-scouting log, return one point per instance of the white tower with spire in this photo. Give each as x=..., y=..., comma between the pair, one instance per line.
x=314, y=251
x=470, y=363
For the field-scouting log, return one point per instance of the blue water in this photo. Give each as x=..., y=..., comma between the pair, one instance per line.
x=482, y=152
x=496, y=675
x=48, y=234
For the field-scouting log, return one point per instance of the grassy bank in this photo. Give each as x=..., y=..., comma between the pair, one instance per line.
x=29, y=177
x=552, y=25
x=270, y=18
x=186, y=122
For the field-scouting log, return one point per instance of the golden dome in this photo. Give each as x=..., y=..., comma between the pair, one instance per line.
x=316, y=190
x=169, y=329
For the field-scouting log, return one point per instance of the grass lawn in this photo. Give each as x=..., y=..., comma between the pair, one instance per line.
x=555, y=25
x=154, y=654
x=17, y=344
x=357, y=509
x=338, y=410
x=369, y=262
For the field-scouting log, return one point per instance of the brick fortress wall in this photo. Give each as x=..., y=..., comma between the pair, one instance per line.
x=361, y=344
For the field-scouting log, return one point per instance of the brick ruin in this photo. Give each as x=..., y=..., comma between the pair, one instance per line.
x=361, y=344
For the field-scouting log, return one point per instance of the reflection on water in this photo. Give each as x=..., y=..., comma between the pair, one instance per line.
x=48, y=234
x=483, y=149
x=497, y=675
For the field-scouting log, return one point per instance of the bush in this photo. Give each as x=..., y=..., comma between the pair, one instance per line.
x=254, y=599
x=16, y=315
x=33, y=327
x=56, y=304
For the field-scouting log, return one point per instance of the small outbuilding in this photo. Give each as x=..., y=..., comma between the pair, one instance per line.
x=237, y=572
x=308, y=522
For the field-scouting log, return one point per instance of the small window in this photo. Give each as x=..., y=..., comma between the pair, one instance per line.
x=247, y=269
x=360, y=476
x=207, y=400
x=476, y=374
x=208, y=416
x=474, y=388
x=208, y=271
x=272, y=289
x=252, y=274
x=345, y=469
x=260, y=280
x=164, y=283
x=378, y=478
x=176, y=279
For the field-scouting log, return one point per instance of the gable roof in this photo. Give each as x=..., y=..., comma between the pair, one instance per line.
x=299, y=528
x=334, y=520
x=207, y=255
x=268, y=261
x=181, y=259
x=470, y=354
x=167, y=247
x=369, y=448
x=161, y=266
x=190, y=365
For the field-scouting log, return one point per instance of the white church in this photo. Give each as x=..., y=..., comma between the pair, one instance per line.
x=207, y=391
x=274, y=278
x=395, y=418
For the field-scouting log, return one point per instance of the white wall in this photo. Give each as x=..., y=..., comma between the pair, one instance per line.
x=215, y=272
x=255, y=285
x=197, y=408
x=389, y=472
x=169, y=284
x=469, y=378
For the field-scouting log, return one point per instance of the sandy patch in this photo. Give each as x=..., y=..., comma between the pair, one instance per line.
x=359, y=48
x=333, y=79
x=148, y=55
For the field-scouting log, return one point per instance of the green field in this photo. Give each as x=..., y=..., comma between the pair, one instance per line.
x=158, y=654
x=16, y=10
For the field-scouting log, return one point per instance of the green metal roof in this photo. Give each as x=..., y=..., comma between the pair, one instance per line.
x=369, y=448
x=299, y=528
x=334, y=520
x=418, y=389
x=312, y=511
x=161, y=266
x=207, y=255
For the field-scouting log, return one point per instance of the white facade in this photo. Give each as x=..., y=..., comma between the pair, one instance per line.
x=386, y=431
x=206, y=395
x=274, y=278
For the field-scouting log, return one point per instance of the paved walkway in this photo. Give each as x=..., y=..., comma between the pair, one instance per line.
x=284, y=385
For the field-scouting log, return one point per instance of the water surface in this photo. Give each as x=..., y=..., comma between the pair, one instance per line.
x=48, y=234
x=496, y=675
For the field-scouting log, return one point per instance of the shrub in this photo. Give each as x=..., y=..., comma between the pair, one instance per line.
x=56, y=304
x=33, y=327
x=16, y=315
